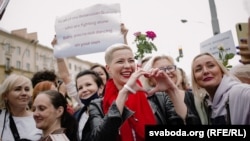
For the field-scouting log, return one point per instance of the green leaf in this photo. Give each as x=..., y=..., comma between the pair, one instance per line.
x=220, y=55
x=225, y=63
x=177, y=59
x=153, y=46
x=229, y=56
x=142, y=37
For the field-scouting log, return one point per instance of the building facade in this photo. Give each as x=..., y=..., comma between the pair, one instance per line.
x=21, y=53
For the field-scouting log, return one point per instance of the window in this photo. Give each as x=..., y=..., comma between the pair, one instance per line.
x=7, y=48
x=18, y=64
x=37, y=56
x=7, y=64
x=28, y=53
x=37, y=68
x=25, y=53
x=27, y=66
x=18, y=50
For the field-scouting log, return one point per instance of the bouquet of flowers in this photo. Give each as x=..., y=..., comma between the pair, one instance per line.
x=144, y=43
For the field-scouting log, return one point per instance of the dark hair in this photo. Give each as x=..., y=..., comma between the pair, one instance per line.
x=103, y=68
x=44, y=75
x=93, y=74
x=67, y=120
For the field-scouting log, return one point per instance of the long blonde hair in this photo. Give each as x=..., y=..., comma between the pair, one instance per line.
x=200, y=93
x=195, y=87
x=182, y=81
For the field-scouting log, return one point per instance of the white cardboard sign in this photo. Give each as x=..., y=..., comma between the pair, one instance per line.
x=224, y=39
x=88, y=30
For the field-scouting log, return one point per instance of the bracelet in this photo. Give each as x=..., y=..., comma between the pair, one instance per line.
x=129, y=89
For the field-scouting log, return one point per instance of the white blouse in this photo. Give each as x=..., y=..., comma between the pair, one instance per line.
x=26, y=127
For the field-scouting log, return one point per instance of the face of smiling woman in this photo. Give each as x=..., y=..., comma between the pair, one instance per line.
x=207, y=72
x=86, y=86
x=47, y=117
x=163, y=62
x=121, y=66
x=19, y=96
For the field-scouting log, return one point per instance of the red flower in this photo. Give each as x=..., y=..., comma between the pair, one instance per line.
x=150, y=34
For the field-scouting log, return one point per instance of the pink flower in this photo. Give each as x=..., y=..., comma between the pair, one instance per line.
x=150, y=34
x=137, y=34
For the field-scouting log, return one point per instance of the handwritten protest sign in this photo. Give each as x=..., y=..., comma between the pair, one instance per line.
x=88, y=30
x=224, y=40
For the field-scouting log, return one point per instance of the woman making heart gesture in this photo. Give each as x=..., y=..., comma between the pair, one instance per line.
x=125, y=109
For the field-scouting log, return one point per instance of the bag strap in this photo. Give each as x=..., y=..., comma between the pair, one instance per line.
x=13, y=128
x=4, y=121
x=228, y=113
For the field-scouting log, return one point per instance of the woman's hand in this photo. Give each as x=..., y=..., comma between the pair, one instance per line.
x=54, y=41
x=133, y=79
x=244, y=52
x=124, y=32
x=130, y=87
x=163, y=82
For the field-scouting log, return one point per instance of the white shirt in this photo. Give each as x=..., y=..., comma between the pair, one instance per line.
x=26, y=127
x=82, y=123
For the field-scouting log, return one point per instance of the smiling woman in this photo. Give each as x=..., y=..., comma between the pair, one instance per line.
x=15, y=93
x=223, y=95
x=51, y=116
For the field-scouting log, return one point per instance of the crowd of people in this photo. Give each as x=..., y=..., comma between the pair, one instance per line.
x=115, y=102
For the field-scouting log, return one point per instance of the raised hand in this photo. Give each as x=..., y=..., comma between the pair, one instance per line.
x=244, y=52
x=124, y=32
x=132, y=82
x=54, y=41
x=163, y=82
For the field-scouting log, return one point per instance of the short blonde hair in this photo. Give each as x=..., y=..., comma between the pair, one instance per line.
x=111, y=49
x=155, y=58
x=146, y=82
x=9, y=83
